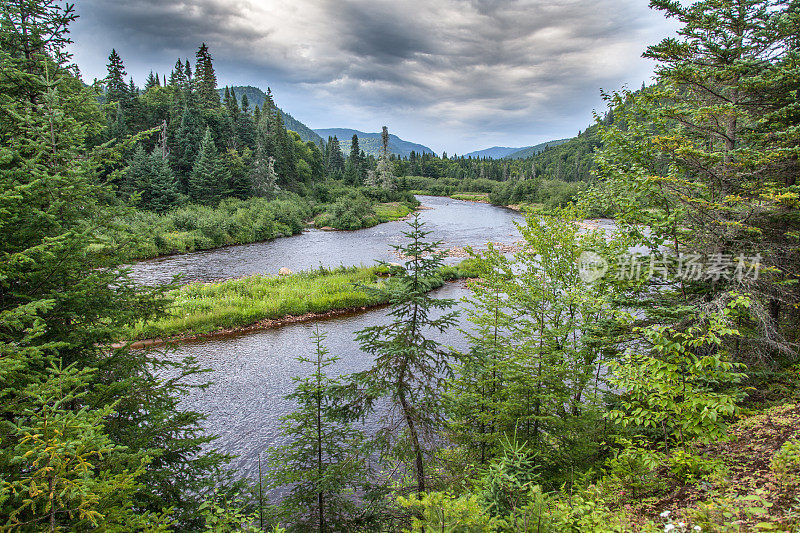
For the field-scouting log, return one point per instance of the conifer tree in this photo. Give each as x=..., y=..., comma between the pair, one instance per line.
x=63, y=299
x=409, y=367
x=205, y=83
x=150, y=176
x=335, y=163
x=152, y=81
x=353, y=166
x=704, y=159
x=186, y=143
x=208, y=182
x=116, y=88
x=322, y=462
x=177, y=77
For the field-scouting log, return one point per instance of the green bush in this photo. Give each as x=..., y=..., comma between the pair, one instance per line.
x=197, y=227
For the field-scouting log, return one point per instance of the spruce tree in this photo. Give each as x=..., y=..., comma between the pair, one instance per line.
x=707, y=158
x=186, y=143
x=64, y=300
x=116, y=88
x=150, y=178
x=208, y=182
x=353, y=166
x=409, y=367
x=322, y=462
x=335, y=163
x=151, y=82
x=205, y=83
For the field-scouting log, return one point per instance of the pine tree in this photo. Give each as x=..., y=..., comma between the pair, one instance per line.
x=409, y=367
x=208, y=182
x=205, y=83
x=322, y=462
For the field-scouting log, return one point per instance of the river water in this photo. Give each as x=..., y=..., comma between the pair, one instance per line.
x=454, y=222
x=252, y=372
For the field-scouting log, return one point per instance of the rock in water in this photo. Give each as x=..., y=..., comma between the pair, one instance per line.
x=284, y=272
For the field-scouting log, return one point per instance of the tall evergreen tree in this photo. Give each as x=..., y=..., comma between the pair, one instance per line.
x=409, y=367
x=152, y=81
x=63, y=300
x=208, y=182
x=206, y=80
x=186, y=143
x=116, y=88
x=335, y=162
x=150, y=176
x=322, y=463
x=695, y=158
x=354, y=164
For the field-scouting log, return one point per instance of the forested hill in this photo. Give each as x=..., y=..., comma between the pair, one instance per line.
x=371, y=142
x=524, y=153
x=495, y=152
x=257, y=97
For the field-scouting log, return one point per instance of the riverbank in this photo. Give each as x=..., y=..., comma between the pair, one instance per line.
x=194, y=228
x=258, y=302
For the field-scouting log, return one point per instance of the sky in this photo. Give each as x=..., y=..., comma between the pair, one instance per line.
x=455, y=75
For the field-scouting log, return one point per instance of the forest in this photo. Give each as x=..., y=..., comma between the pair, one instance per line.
x=644, y=379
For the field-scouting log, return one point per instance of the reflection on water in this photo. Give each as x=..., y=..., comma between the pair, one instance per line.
x=454, y=222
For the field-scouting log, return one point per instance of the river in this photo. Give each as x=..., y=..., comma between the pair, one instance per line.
x=454, y=222
x=252, y=372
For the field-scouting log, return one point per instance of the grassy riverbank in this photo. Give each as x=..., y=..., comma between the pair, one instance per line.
x=200, y=308
x=193, y=227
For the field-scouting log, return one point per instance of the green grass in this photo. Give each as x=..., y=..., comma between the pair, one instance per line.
x=206, y=307
x=471, y=196
x=392, y=211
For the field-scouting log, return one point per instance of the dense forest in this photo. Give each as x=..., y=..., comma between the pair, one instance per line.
x=602, y=390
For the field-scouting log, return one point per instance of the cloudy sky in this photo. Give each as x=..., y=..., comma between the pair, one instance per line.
x=456, y=75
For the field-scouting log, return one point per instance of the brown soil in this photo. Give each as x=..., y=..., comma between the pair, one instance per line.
x=267, y=323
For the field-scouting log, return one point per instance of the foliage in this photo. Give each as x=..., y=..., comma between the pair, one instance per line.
x=684, y=384
x=409, y=366
x=322, y=465
x=196, y=227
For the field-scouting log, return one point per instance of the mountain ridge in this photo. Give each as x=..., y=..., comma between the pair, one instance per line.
x=257, y=97
x=370, y=143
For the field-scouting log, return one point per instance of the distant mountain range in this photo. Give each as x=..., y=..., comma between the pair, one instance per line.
x=257, y=97
x=495, y=152
x=371, y=142
x=506, y=152
x=533, y=150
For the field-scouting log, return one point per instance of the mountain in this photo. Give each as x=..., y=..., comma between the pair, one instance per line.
x=530, y=151
x=495, y=152
x=371, y=142
x=256, y=97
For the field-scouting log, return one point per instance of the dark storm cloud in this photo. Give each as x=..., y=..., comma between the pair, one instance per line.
x=446, y=71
